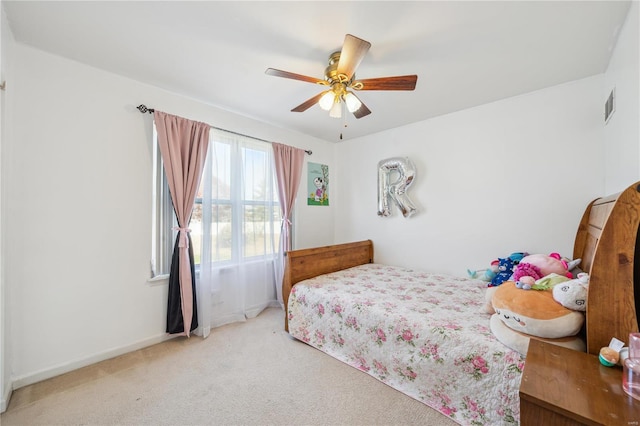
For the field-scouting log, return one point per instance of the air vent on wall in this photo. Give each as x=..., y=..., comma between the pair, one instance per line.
x=610, y=105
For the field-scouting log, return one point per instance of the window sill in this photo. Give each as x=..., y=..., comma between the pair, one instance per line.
x=158, y=280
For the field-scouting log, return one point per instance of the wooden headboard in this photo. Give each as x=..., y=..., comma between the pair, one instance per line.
x=308, y=263
x=607, y=242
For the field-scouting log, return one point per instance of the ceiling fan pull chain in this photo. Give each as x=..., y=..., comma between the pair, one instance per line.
x=344, y=113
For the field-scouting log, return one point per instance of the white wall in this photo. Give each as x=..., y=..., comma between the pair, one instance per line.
x=513, y=175
x=508, y=176
x=622, y=132
x=78, y=209
x=5, y=376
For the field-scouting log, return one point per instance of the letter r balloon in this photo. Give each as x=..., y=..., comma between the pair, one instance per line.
x=396, y=190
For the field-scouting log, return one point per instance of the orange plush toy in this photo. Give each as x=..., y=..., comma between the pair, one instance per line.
x=535, y=312
x=522, y=315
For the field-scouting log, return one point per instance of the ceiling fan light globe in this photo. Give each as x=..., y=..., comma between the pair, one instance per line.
x=326, y=101
x=336, y=110
x=353, y=103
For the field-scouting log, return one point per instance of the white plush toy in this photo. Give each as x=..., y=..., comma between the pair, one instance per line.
x=572, y=294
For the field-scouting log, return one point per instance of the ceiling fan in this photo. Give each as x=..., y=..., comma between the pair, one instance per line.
x=340, y=77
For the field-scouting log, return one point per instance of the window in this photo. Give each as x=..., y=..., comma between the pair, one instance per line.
x=236, y=215
x=163, y=217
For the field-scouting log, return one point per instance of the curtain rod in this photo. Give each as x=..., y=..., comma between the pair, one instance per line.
x=143, y=109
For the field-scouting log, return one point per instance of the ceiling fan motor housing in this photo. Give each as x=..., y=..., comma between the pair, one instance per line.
x=331, y=72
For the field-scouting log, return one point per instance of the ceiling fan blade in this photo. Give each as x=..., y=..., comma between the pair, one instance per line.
x=353, y=51
x=363, y=111
x=401, y=82
x=309, y=103
x=293, y=76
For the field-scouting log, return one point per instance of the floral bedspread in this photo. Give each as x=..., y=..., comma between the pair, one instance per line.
x=423, y=334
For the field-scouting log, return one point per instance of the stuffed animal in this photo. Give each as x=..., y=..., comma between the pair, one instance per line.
x=535, y=312
x=517, y=256
x=526, y=270
x=545, y=283
x=538, y=266
x=506, y=266
x=487, y=274
x=572, y=294
x=505, y=270
x=520, y=341
x=487, y=307
x=526, y=283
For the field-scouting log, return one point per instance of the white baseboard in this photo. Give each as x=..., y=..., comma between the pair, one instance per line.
x=6, y=397
x=48, y=373
x=275, y=304
x=29, y=379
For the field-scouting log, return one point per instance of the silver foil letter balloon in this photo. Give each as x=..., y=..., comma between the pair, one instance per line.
x=396, y=190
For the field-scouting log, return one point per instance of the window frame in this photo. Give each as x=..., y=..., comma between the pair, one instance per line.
x=163, y=218
x=163, y=215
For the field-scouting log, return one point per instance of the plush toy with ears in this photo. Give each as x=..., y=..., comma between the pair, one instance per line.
x=505, y=270
x=506, y=266
x=573, y=294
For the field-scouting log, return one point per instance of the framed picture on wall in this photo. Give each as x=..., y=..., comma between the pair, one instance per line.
x=317, y=184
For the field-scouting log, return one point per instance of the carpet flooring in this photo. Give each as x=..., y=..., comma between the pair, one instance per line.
x=250, y=373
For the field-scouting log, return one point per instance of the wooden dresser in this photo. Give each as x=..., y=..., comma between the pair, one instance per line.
x=564, y=387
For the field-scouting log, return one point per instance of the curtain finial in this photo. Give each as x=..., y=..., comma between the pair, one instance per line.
x=143, y=109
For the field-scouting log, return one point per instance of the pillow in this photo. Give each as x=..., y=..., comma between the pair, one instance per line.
x=535, y=312
x=519, y=342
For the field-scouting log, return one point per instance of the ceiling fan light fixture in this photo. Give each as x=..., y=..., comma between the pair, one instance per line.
x=327, y=100
x=352, y=101
x=336, y=110
x=340, y=76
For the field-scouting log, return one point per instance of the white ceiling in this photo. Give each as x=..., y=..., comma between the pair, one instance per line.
x=464, y=53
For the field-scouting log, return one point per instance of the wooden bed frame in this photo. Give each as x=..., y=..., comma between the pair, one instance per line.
x=606, y=241
x=308, y=263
